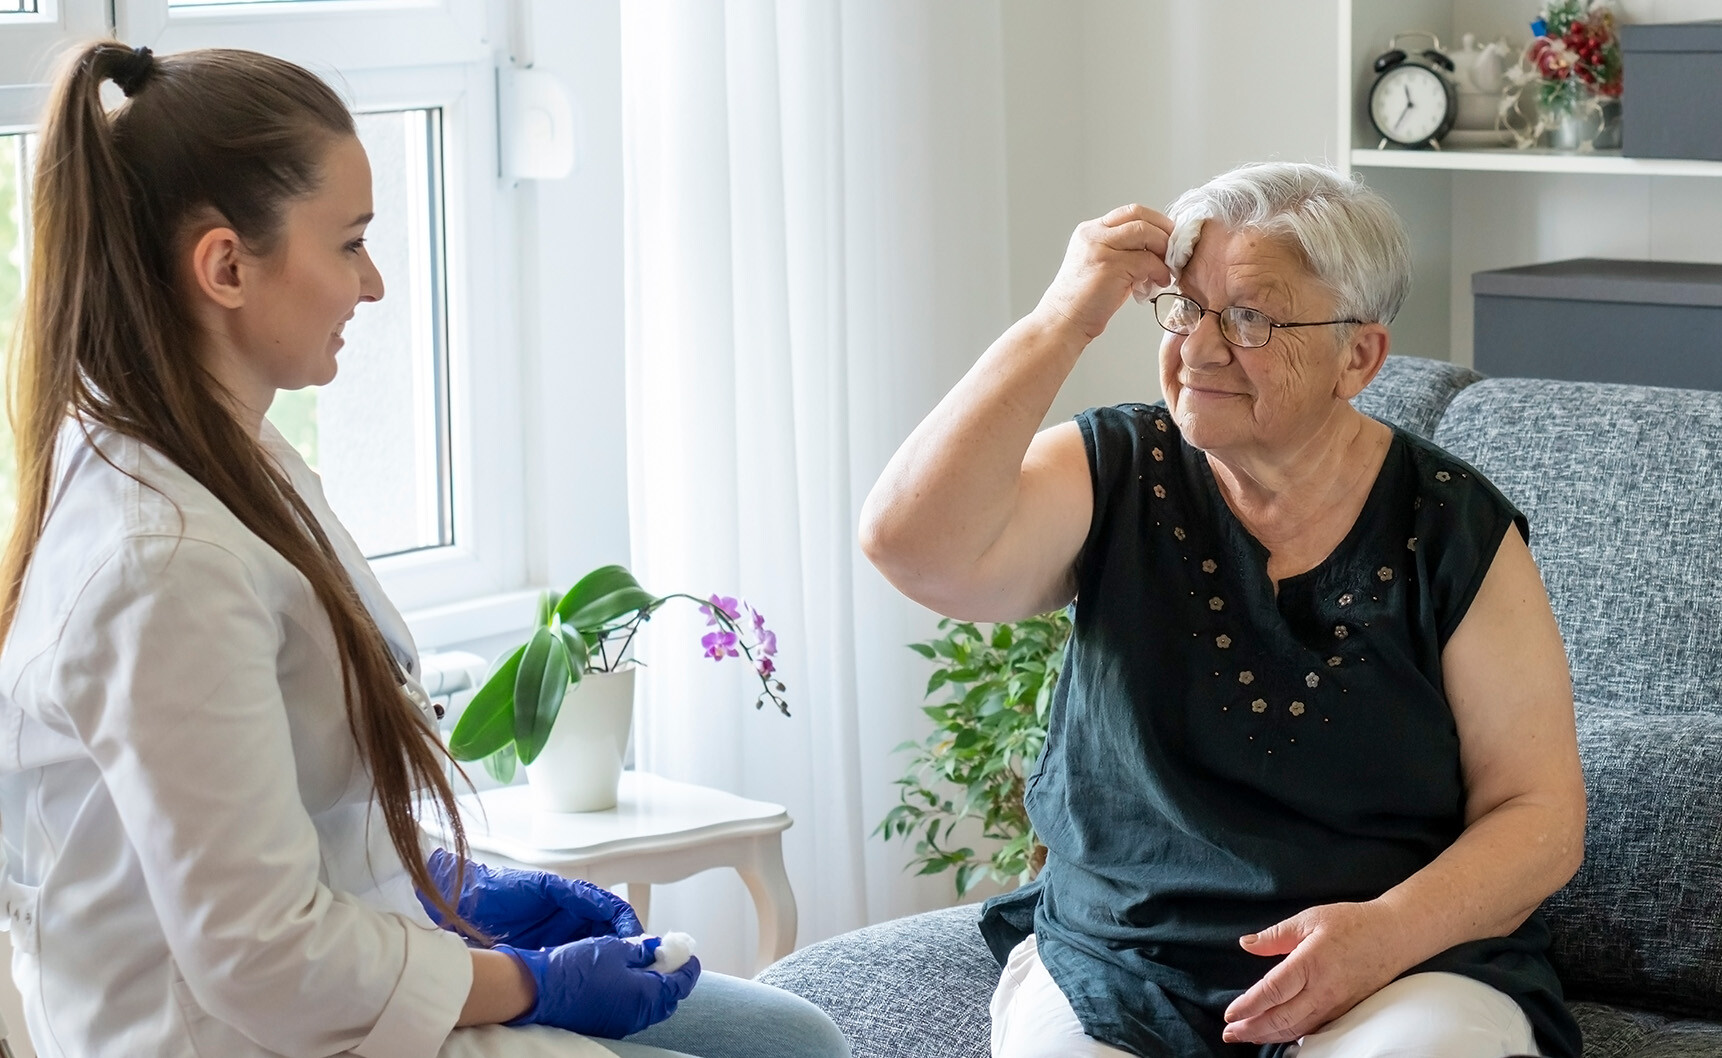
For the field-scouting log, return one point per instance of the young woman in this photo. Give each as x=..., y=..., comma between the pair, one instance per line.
x=211, y=756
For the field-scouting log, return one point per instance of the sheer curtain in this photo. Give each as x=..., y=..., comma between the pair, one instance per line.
x=816, y=248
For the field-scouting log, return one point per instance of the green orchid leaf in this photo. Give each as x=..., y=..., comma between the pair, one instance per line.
x=501, y=764
x=579, y=653
x=607, y=608
x=546, y=608
x=605, y=580
x=538, y=692
x=488, y=722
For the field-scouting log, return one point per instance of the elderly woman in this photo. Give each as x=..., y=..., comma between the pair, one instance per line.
x=1311, y=766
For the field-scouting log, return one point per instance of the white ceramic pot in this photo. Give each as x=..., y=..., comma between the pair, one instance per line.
x=581, y=763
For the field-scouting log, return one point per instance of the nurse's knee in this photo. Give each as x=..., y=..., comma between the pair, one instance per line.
x=1427, y=1015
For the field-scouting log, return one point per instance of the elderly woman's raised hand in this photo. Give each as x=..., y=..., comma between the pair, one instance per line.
x=1104, y=262
x=1337, y=955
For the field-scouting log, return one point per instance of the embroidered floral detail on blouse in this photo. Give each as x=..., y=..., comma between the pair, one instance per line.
x=1340, y=631
x=1334, y=662
x=1443, y=476
x=1246, y=677
x=1385, y=574
x=1297, y=708
x=1260, y=705
x=1216, y=604
x=1159, y=492
x=1209, y=565
x=1160, y=424
x=1158, y=455
x=1417, y=503
x=1345, y=600
x=1411, y=544
x=1178, y=531
x=1311, y=680
x=1223, y=641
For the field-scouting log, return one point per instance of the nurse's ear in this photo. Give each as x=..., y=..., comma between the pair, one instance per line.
x=218, y=264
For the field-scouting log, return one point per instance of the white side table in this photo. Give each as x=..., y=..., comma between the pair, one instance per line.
x=660, y=831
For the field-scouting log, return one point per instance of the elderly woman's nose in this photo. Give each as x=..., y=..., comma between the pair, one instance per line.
x=1206, y=346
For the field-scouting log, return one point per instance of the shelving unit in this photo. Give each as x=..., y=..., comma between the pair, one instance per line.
x=1470, y=210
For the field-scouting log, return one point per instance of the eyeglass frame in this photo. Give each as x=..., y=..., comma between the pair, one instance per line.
x=1221, y=315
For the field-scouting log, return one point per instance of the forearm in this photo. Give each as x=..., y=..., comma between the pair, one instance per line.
x=502, y=990
x=951, y=489
x=1490, y=880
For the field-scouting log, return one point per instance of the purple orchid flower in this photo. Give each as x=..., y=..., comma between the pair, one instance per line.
x=722, y=604
x=719, y=645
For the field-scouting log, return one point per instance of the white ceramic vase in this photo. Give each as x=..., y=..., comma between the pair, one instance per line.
x=581, y=763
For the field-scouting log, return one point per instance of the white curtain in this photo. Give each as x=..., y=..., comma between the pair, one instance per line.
x=816, y=248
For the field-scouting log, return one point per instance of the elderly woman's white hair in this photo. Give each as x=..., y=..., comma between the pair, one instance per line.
x=1349, y=236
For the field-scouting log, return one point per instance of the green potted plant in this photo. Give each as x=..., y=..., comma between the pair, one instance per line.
x=562, y=703
x=989, y=725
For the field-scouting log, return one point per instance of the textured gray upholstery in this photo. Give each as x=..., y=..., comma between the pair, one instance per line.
x=1411, y=392
x=1622, y=485
x=914, y=987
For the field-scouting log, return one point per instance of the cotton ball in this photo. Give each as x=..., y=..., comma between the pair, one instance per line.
x=1178, y=250
x=670, y=951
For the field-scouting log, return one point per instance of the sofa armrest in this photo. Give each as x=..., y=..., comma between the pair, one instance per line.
x=914, y=987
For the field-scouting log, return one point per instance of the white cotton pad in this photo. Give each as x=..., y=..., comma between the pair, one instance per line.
x=669, y=952
x=1178, y=250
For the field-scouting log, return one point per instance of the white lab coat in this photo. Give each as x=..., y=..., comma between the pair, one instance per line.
x=194, y=866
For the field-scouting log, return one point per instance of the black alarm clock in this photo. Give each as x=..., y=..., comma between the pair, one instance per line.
x=1413, y=101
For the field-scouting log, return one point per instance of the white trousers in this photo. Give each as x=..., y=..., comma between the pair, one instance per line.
x=1427, y=1015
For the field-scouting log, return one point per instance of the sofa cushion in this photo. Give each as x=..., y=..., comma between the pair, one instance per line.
x=1412, y=392
x=1641, y=923
x=1621, y=485
x=915, y=987
x=1611, y=1032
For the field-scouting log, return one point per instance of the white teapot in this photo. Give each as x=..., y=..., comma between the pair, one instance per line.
x=1479, y=73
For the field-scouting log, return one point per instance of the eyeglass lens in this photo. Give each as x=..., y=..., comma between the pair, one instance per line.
x=1243, y=327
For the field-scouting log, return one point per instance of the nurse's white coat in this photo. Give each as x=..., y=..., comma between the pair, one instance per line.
x=195, y=868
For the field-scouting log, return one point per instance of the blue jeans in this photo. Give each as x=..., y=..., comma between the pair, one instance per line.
x=727, y=1017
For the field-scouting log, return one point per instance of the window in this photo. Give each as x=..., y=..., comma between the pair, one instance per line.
x=397, y=436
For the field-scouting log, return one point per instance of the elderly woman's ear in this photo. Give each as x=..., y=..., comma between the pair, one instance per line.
x=1366, y=350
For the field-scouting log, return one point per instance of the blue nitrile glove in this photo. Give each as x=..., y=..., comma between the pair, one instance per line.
x=531, y=909
x=601, y=986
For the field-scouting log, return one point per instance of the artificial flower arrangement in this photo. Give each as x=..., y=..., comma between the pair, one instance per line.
x=591, y=629
x=1574, y=63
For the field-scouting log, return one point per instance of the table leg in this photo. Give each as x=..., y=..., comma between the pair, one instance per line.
x=640, y=896
x=773, y=900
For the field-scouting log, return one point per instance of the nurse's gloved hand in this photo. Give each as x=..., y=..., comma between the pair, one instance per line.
x=531, y=909
x=601, y=986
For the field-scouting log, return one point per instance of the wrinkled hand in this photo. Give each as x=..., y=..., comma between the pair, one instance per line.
x=1337, y=955
x=531, y=909
x=601, y=986
x=1105, y=261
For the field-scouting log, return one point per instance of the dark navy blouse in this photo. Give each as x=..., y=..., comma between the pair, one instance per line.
x=1219, y=759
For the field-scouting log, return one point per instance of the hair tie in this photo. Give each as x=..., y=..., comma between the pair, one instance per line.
x=131, y=71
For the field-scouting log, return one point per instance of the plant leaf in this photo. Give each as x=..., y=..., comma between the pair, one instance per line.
x=605, y=580
x=538, y=692
x=546, y=607
x=606, y=608
x=579, y=653
x=488, y=723
x=500, y=764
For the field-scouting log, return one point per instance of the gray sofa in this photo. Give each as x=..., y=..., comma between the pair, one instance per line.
x=1623, y=488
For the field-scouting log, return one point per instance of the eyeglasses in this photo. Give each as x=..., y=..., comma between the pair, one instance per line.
x=1242, y=327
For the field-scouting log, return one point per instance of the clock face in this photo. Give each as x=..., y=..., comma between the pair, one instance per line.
x=1409, y=104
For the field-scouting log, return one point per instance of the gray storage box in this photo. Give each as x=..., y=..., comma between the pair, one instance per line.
x=1671, y=103
x=1653, y=323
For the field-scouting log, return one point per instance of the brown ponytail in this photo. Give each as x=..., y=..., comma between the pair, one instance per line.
x=214, y=135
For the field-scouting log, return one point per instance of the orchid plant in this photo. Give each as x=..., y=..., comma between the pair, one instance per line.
x=591, y=629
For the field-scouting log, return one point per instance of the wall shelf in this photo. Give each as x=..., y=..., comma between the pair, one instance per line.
x=1603, y=163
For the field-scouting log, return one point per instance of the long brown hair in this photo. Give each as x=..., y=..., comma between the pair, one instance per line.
x=206, y=137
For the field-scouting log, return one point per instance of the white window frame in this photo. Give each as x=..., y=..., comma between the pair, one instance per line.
x=383, y=55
